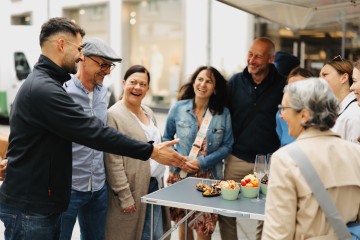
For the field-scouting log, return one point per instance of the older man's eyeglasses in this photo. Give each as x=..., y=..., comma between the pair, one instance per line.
x=282, y=108
x=338, y=58
x=104, y=66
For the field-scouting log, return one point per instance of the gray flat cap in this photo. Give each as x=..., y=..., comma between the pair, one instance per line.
x=97, y=47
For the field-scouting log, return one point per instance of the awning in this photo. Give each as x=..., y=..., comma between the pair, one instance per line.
x=301, y=14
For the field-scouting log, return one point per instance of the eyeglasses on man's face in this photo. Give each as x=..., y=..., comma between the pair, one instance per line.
x=103, y=66
x=79, y=48
x=282, y=108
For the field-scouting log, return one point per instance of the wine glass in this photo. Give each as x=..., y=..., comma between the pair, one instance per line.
x=259, y=171
x=268, y=158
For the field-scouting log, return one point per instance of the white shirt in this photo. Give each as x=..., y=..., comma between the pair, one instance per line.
x=153, y=134
x=348, y=123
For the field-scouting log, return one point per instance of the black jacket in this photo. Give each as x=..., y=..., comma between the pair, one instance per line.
x=259, y=137
x=43, y=123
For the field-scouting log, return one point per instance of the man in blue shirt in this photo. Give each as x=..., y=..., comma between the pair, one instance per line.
x=88, y=199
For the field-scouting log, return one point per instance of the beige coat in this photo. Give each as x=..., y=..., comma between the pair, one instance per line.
x=128, y=180
x=291, y=211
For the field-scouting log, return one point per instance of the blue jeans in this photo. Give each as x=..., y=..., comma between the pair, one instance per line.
x=158, y=223
x=25, y=225
x=90, y=208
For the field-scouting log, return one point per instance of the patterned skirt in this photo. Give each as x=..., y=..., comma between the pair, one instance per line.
x=206, y=223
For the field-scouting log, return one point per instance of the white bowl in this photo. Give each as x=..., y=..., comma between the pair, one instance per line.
x=249, y=192
x=230, y=194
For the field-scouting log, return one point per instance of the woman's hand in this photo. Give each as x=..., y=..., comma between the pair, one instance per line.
x=191, y=166
x=130, y=209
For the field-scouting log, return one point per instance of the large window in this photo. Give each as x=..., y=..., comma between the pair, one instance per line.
x=156, y=40
x=23, y=19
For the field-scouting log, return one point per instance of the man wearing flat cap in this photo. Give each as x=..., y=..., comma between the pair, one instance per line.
x=88, y=199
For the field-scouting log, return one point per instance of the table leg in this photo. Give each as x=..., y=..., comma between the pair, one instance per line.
x=195, y=218
x=177, y=225
x=152, y=222
x=186, y=226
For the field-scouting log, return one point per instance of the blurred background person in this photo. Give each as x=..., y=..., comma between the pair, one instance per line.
x=355, y=87
x=296, y=74
x=292, y=212
x=285, y=62
x=338, y=74
x=205, y=91
x=127, y=217
x=88, y=199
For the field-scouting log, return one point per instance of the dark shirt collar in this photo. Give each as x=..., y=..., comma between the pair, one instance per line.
x=57, y=73
x=270, y=77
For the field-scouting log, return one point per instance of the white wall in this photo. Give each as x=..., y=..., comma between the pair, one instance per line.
x=231, y=34
x=231, y=31
x=195, y=35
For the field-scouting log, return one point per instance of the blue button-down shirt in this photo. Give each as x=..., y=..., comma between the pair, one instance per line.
x=88, y=172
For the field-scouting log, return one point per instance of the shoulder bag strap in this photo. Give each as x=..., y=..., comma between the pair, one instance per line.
x=319, y=191
x=201, y=134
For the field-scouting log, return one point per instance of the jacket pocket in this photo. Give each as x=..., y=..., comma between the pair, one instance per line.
x=183, y=129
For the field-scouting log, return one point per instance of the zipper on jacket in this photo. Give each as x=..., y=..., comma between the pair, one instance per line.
x=49, y=187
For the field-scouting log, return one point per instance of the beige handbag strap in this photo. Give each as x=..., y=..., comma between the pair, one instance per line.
x=201, y=134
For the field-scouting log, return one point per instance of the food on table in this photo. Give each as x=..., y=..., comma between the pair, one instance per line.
x=229, y=184
x=202, y=187
x=265, y=179
x=249, y=180
x=208, y=190
x=211, y=193
x=229, y=189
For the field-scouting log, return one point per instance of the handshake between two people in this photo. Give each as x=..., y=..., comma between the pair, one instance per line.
x=163, y=153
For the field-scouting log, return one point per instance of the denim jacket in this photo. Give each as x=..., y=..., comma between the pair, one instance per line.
x=181, y=121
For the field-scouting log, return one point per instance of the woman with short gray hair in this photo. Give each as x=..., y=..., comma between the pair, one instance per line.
x=292, y=212
x=318, y=98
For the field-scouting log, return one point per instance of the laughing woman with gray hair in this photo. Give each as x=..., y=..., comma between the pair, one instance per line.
x=292, y=212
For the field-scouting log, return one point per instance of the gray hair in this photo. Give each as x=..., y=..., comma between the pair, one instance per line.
x=315, y=95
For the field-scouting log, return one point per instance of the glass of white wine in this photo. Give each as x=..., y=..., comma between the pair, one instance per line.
x=268, y=158
x=259, y=171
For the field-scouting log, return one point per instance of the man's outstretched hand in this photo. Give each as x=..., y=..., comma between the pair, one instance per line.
x=164, y=154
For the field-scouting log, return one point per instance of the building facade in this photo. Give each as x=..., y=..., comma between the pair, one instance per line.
x=170, y=37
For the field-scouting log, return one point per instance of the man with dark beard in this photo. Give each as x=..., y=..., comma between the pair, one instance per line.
x=44, y=121
x=254, y=97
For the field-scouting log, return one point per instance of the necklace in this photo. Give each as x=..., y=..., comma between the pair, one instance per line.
x=199, y=115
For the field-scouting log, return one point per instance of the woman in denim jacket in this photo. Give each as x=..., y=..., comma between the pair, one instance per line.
x=206, y=90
